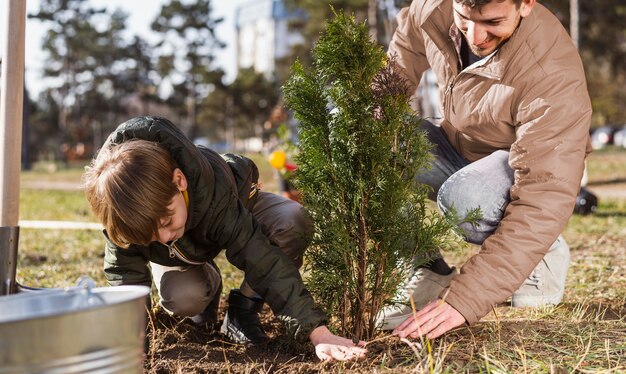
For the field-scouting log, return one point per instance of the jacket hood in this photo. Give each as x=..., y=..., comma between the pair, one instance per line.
x=199, y=173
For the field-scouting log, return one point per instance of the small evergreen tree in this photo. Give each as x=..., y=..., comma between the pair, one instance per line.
x=360, y=148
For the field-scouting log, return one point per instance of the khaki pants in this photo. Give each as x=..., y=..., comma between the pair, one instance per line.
x=187, y=290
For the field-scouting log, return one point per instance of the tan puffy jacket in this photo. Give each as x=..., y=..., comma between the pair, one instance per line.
x=531, y=98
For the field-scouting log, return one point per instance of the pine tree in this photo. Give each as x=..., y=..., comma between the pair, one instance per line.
x=186, y=53
x=360, y=149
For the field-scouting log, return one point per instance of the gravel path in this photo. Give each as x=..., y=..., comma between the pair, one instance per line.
x=51, y=185
x=609, y=191
x=64, y=225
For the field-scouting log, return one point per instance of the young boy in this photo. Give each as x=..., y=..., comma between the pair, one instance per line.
x=168, y=208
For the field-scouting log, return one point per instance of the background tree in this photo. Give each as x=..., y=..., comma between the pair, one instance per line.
x=44, y=136
x=186, y=53
x=71, y=23
x=602, y=47
x=93, y=78
x=360, y=149
x=239, y=109
x=378, y=14
x=253, y=97
x=137, y=75
x=123, y=69
x=311, y=24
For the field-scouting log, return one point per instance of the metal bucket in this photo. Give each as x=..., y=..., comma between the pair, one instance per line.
x=76, y=330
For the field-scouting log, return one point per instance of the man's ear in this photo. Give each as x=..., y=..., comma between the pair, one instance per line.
x=179, y=179
x=526, y=6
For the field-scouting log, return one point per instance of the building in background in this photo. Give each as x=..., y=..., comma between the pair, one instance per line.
x=263, y=35
x=426, y=99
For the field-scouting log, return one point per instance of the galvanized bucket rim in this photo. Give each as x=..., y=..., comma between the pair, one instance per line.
x=113, y=295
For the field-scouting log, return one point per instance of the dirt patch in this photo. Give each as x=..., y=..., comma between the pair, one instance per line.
x=590, y=320
x=179, y=346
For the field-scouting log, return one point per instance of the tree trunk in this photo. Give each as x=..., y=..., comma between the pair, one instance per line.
x=360, y=307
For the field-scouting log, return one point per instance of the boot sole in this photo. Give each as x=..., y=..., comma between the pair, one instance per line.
x=235, y=335
x=536, y=301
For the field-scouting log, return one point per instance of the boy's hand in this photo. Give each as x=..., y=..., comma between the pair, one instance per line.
x=330, y=347
x=435, y=319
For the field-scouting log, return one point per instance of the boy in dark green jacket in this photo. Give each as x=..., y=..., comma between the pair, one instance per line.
x=169, y=207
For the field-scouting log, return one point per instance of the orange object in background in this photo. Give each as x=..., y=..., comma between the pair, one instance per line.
x=277, y=159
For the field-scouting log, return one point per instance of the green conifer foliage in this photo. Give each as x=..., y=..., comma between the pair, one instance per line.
x=360, y=148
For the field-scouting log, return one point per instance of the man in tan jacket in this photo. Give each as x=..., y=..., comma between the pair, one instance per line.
x=512, y=142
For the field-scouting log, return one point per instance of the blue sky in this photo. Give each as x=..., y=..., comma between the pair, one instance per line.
x=141, y=13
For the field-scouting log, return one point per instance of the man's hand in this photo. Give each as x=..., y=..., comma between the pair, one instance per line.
x=330, y=347
x=434, y=320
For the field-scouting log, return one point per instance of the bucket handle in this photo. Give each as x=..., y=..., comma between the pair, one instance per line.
x=86, y=286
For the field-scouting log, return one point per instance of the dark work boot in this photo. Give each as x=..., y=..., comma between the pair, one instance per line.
x=242, y=323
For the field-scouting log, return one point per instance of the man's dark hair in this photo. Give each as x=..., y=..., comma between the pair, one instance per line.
x=479, y=3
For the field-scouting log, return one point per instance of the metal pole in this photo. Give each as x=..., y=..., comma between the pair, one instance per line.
x=372, y=19
x=11, y=115
x=574, y=23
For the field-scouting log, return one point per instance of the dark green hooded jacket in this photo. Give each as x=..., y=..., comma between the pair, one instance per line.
x=219, y=189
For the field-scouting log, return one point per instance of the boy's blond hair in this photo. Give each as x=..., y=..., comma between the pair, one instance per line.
x=129, y=186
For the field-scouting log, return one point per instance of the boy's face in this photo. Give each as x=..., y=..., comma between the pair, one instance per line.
x=173, y=227
x=487, y=27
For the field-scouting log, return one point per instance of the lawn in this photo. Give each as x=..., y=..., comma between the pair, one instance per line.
x=585, y=334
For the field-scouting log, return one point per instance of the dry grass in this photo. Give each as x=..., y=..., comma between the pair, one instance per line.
x=585, y=334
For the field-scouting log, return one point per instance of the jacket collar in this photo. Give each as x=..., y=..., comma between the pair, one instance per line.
x=435, y=21
x=431, y=6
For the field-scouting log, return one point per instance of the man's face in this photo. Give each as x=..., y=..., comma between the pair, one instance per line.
x=487, y=27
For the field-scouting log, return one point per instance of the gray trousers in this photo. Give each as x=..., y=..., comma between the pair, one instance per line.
x=187, y=290
x=463, y=186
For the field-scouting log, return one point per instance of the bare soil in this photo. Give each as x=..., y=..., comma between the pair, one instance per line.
x=179, y=346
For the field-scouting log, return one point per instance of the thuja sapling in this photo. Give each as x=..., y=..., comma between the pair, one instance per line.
x=360, y=147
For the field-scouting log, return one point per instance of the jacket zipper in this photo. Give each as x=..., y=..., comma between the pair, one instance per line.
x=448, y=96
x=175, y=252
x=449, y=103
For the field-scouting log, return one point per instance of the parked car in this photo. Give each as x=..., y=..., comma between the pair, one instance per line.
x=602, y=136
x=619, y=137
